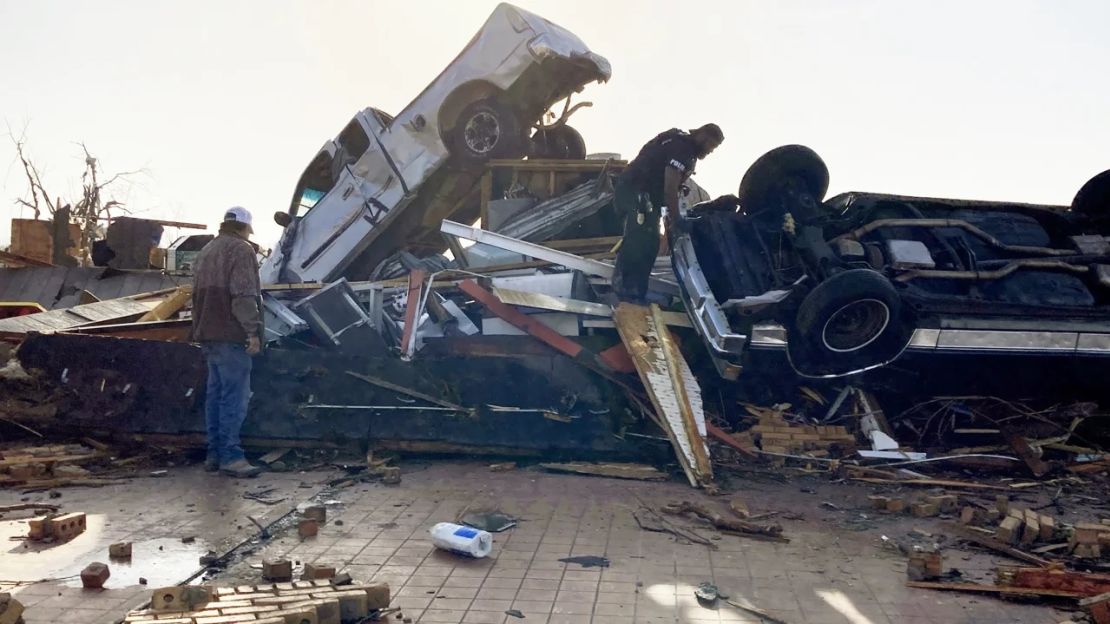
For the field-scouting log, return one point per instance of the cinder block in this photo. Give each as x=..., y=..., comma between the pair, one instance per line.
x=318, y=513
x=181, y=598
x=377, y=595
x=1009, y=530
x=308, y=527
x=924, y=510
x=1087, y=551
x=300, y=615
x=353, y=605
x=95, y=575
x=1086, y=533
x=946, y=503
x=121, y=550
x=66, y=527
x=1002, y=503
x=879, y=502
x=314, y=571
x=277, y=570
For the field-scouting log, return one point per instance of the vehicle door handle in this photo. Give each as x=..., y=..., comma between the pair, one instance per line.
x=347, y=193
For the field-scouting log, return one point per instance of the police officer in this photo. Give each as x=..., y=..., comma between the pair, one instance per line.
x=653, y=180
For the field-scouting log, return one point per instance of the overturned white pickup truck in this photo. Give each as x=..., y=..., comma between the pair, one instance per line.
x=385, y=181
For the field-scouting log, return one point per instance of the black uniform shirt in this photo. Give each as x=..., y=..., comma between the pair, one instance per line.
x=646, y=173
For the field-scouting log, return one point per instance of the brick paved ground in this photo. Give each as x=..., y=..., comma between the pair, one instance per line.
x=834, y=570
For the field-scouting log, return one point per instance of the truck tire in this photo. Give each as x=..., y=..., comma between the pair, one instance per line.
x=1093, y=199
x=562, y=143
x=487, y=129
x=768, y=177
x=851, y=322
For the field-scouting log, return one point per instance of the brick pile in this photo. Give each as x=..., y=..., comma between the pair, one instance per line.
x=776, y=435
x=299, y=602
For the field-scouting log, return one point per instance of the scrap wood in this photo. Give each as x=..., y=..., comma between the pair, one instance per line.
x=274, y=455
x=23, y=506
x=724, y=523
x=753, y=610
x=30, y=487
x=649, y=520
x=995, y=544
x=169, y=306
x=1057, y=579
x=640, y=472
x=1021, y=447
x=22, y=460
x=934, y=483
x=993, y=589
x=407, y=391
x=739, y=507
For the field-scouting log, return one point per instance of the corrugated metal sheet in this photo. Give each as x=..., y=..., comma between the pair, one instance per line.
x=60, y=287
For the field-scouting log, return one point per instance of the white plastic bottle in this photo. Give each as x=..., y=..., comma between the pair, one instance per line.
x=462, y=540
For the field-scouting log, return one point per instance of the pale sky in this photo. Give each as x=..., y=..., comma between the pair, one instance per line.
x=224, y=102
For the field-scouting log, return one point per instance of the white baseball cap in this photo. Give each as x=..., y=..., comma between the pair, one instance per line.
x=238, y=214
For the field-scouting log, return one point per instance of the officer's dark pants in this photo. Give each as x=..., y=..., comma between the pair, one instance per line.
x=640, y=244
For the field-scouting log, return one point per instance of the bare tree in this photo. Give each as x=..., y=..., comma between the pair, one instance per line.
x=86, y=212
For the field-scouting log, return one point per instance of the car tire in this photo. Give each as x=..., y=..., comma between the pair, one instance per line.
x=485, y=130
x=561, y=143
x=851, y=322
x=765, y=181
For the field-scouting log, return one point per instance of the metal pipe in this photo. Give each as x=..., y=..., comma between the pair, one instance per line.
x=991, y=275
x=954, y=223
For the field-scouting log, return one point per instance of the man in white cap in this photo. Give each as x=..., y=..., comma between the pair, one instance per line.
x=227, y=322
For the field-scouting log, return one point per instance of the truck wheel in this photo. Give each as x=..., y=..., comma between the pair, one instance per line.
x=562, y=143
x=1093, y=199
x=790, y=168
x=487, y=129
x=851, y=322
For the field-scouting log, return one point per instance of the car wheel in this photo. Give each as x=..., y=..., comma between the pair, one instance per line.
x=851, y=322
x=561, y=143
x=487, y=129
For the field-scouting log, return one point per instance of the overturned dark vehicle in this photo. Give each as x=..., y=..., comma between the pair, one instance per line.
x=852, y=283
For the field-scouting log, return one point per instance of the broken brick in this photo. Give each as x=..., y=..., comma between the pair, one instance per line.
x=11, y=610
x=66, y=527
x=895, y=505
x=1032, y=529
x=969, y=515
x=121, y=550
x=318, y=513
x=391, y=475
x=181, y=598
x=1002, y=503
x=1048, y=527
x=879, y=502
x=95, y=575
x=1086, y=533
x=377, y=595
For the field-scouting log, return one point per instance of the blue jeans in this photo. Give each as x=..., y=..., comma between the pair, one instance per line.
x=227, y=395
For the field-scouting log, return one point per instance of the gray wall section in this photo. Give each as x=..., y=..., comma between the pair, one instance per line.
x=60, y=287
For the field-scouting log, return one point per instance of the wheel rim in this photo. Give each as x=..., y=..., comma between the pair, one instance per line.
x=855, y=325
x=482, y=132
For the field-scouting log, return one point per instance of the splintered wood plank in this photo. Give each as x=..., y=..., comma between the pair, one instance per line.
x=639, y=472
x=671, y=385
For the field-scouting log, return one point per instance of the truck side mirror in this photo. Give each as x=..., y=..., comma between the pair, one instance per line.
x=282, y=218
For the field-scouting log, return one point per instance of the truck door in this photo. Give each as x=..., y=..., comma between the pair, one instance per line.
x=336, y=229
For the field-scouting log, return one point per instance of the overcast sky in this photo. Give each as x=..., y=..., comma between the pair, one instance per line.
x=223, y=102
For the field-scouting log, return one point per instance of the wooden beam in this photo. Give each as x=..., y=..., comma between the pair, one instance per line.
x=412, y=313
x=179, y=224
x=995, y=544
x=169, y=306
x=529, y=325
x=381, y=383
x=724, y=438
x=9, y=257
x=993, y=589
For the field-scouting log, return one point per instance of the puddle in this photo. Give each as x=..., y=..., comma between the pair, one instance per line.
x=33, y=561
x=168, y=566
